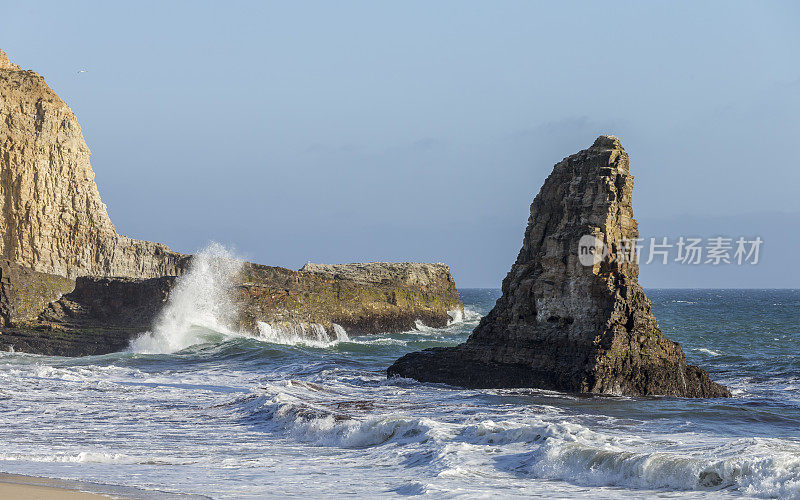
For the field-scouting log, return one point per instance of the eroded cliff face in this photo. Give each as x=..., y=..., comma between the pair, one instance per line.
x=51, y=217
x=567, y=326
x=375, y=297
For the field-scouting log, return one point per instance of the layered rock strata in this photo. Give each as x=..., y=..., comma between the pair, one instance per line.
x=564, y=325
x=51, y=217
x=363, y=298
x=99, y=316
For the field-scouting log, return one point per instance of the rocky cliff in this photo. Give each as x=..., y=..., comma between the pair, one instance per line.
x=70, y=285
x=103, y=314
x=363, y=298
x=564, y=325
x=96, y=316
x=51, y=216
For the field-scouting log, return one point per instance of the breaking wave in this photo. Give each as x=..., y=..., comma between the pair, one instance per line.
x=200, y=306
x=537, y=449
x=467, y=315
x=249, y=406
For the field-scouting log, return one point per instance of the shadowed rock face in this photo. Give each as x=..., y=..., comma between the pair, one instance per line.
x=563, y=325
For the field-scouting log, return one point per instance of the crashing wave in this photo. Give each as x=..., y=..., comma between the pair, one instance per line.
x=329, y=424
x=456, y=316
x=466, y=315
x=578, y=455
x=539, y=448
x=200, y=304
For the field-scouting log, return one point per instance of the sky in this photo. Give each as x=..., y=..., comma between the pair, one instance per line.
x=421, y=131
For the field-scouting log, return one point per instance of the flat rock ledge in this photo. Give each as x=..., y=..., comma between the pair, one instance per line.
x=41, y=313
x=562, y=324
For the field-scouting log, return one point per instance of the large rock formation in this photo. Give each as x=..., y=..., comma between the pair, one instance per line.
x=54, y=230
x=102, y=315
x=563, y=325
x=98, y=316
x=51, y=216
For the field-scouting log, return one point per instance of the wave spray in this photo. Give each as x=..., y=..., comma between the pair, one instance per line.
x=200, y=306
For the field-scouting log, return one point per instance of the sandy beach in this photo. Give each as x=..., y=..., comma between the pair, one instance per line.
x=40, y=488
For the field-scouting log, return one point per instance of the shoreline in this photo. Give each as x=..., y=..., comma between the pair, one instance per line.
x=31, y=487
x=20, y=486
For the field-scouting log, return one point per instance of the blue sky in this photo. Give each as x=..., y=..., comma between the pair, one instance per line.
x=359, y=131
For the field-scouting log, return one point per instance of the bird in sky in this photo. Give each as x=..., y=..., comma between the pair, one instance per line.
x=82, y=70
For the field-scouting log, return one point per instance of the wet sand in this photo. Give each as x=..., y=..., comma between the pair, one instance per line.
x=35, y=488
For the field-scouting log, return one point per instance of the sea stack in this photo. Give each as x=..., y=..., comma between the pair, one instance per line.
x=566, y=321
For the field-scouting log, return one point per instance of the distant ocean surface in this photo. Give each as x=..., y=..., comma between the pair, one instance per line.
x=237, y=417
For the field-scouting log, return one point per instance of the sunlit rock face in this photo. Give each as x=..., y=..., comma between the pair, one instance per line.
x=564, y=322
x=51, y=217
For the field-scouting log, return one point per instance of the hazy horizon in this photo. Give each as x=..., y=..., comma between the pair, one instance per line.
x=358, y=131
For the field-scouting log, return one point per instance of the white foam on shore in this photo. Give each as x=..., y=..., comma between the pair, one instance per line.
x=545, y=449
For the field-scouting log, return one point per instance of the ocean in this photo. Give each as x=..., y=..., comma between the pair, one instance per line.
x=198, y=409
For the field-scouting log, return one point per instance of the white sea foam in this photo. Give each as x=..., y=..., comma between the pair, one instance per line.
x=548, y=448
x=199, y=305
x=456, y=316
x=467, y=315
x=421, y=327
x=312, y=334
x=82, y=457
x=707, y=351
x=751, y=466
x=331, y=425
x=272, y=415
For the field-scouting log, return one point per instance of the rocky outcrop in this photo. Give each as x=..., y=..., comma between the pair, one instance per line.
x=110, y=302
x=103, y=315
x=24, y=293
x=363, y=298
x=98, y=316
x=57, y=239
x=564, y=325
x=51, y=216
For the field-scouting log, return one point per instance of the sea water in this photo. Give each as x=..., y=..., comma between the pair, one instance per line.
x=197, y=408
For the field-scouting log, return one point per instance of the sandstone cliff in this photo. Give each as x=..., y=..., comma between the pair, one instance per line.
x=51, y=216
x=567, y=326
x=55, y=230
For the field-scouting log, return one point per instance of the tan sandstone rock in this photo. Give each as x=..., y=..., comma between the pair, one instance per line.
x=70, y=285
x=51, y=217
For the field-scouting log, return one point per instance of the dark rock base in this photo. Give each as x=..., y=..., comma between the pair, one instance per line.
x=460, y=366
